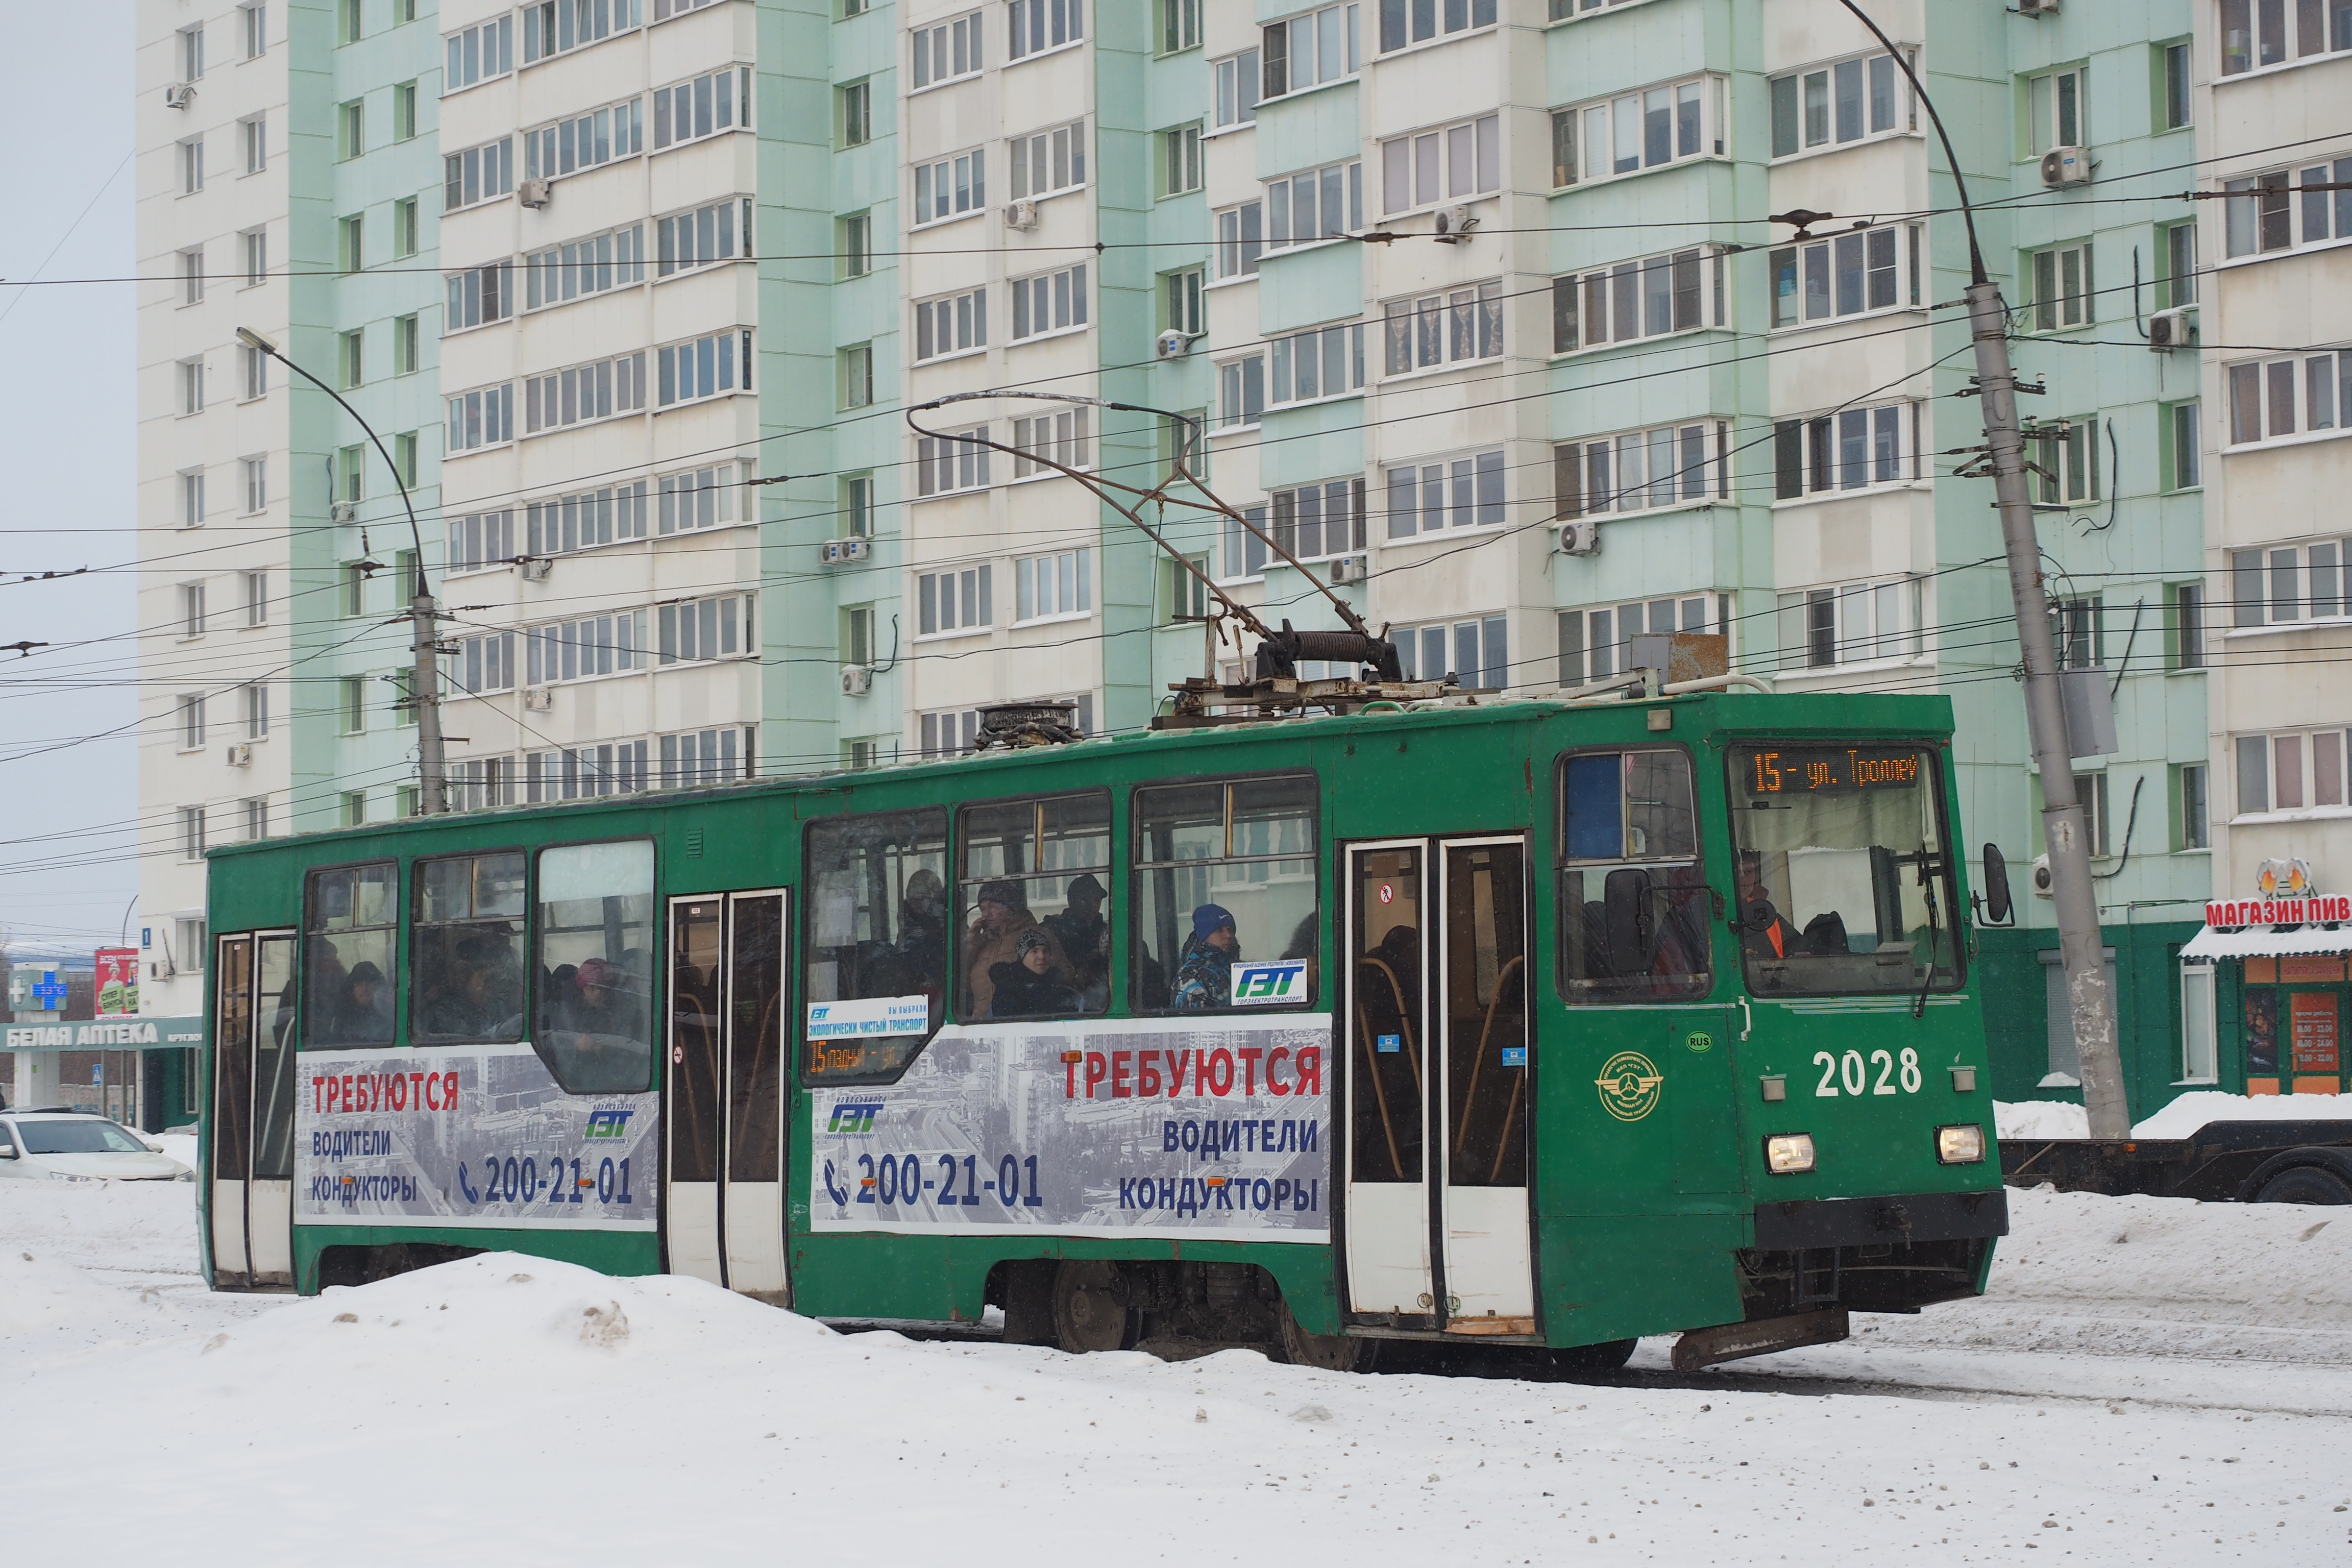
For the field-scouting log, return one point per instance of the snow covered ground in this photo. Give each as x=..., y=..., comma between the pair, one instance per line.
x=2149, y=1381
x=2179, y=1118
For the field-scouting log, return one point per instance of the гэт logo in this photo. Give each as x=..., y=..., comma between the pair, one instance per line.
x=1629, y=1084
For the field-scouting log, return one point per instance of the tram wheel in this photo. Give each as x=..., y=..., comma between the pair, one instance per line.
x=1330, y=1352
x=1592, y=1361
x=1090, y=1306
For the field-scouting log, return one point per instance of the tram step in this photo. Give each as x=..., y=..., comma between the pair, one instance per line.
x=1731, y=1342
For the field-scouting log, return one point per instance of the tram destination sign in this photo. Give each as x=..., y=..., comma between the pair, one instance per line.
x=468, y=1137
x=1832, y=770
x=1215, y=1128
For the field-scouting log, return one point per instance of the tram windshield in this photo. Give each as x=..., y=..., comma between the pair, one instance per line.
x=1844, y=877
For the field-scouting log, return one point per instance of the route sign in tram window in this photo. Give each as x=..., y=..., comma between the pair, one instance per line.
x=1844, y=881
x=596, y=936
x=1635, y=912
x=1225, y=873
x=1033, y=884
x=350, y=920
x=878, y=942
x=466, y=947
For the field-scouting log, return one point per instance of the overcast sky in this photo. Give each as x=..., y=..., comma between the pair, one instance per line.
x=67, y=449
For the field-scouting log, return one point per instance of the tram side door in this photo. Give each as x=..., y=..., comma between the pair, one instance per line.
x=251, y=1169
x=1436, y=1034
x=724, y=1091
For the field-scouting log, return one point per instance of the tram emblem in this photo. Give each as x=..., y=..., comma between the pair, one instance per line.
x=1629, y=1084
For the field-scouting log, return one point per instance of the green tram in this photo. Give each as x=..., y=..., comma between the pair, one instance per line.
x=1529, y=1023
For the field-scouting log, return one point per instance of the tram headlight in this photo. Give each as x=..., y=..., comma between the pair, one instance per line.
x=1959, y=1145
x=1786, y=1154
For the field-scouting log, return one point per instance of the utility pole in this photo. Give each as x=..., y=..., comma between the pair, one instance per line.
x=425, y=679
x=2091, y=1007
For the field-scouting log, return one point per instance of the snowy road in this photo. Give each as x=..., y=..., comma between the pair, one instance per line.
x=2149, y=1381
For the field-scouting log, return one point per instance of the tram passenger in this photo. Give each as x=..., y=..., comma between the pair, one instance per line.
x=1762, y=932
x=1029, y=987
x=918, y=962
x=1085, y=937
x=1302, y=945
x=365, y=1014
x=1003, y=915
x=1205, y=976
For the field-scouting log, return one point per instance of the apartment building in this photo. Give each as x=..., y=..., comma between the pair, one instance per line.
x=1482, y=306
x=2267, y=985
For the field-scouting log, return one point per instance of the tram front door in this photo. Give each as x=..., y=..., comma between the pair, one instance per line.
x=250, y=1170
x=723, y=1092
x=1437, y=1224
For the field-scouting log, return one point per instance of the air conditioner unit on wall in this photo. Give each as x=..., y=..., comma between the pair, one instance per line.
x=1578, y=536
x=532, y=192
x=538, y=698
x=535, y=568
x=2169, y=330
x=1454, y=225
x=1173, y=344
x=2037, y=7
x=1021, y=215
x=856, y=679
x=344, y=512
x=241, y=754
x=1349, y=569
x=2042, y=887
x=179, y=95
x=2065, y=166
x=841, y=552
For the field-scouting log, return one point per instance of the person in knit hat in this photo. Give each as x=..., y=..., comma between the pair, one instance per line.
x=1204, y=974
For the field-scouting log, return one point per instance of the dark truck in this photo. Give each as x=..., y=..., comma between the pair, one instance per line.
x=2222, y=1162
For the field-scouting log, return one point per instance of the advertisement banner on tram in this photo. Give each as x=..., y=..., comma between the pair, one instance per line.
x=1215, y=1128
x=468, y=1137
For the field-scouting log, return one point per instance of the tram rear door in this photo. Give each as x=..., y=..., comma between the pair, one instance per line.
x=723, y=1091
x=250, y=1165
x=1437, y=1223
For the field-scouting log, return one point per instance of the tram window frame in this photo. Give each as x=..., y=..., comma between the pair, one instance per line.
x=388, y=971
x=420, y=965
x=1093, y=996
x=1647, y=986
x=879, y=1058
x=1142, y=961
x=541, y=992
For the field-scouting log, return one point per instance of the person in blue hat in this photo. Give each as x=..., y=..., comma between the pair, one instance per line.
x=1204, y=974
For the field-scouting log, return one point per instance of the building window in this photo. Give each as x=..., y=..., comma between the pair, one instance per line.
x=1047, y=161
x=478, y=297
x=352, y=242
x=256, y=256
x=1042, y=25
x=2297, y=771
x=1835, y=105
x=192, y=385
x=2177, y=84
x=257, y=486
x=476, y=174
x=1453, y=163
x=355, y=804
x=707, y=756
x=483, y=418
x=1404, y=22
x=255, y=29
x=951, y=734
x=2183, y=437
x=2057, y=109
x=1843, y=276
x=1638, y=130
x=347, y=22
x=1065, y=437
x=192, y=53
x=1431, y=497
x=1051, y=586
x=192, y=611
x=2266, y=213
x=1237, y=90
x=581, y=521
x=694, y=499
x=254, y=366
x=950, y=188
x=2271, y=400
x=1050, y=302
x=1849, y=450
x=856, y=375
x=1241, y=240
x=2259, y=33
x=1241, y=391
x=256, y=818
x=403, y=111
x=1593, y=643
x=2197, y=1056
x=1476, y=654
x=856, y=102
x=711, y=367
x=953, y=325
x=856, y=245
x=954, y=601
x=351, y=357
x=1850, y=623
x=2062, y=287
x=477, y=53
x=1180, y=163
x=1180, y=25
x=192, y=165
x=587, y=392
x=2185, y=634
x=2289, y=584
x=1329, y=362
x=354, y=704
x=482, y=539
x=257, y=713
x=586, y=771
x=1642, y=470
x=254, y=134
x=1649, y=298
x=591, y=140
x=696, y=238
x=350, y=129
x=2091, y=790
x=1313, y=523
x=553, y=27
x=192, y=497
x=857, y=506
x=615, y=259
x=944, y=464
x=192, y=276
x=1321, y=204
x=579, y=649
x=2196, y=814
x=947, y=51
x=705, y=628
x=2078, y=629
x=403, y=227
x=486, y=663
x=2180, y=264
x=481, y=784
x=192, y=847
x=1313, y=48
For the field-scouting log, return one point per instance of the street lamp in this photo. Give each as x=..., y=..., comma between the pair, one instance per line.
x=427, y=682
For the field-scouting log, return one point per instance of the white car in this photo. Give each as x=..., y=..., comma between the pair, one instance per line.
x=61, y=1145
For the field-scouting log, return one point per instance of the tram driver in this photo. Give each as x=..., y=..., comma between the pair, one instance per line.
x=1762, y=932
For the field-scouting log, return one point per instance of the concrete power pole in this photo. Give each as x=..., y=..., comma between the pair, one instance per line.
x=2090, y=1006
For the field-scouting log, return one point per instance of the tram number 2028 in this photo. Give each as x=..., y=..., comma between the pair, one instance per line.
x=1879, y=1075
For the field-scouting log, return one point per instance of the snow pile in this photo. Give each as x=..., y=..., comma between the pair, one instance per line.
x=2040, y=1119
x=2184, y=1116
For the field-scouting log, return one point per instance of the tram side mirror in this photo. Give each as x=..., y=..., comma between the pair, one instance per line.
x=1996, y=886
x=1630, y=918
